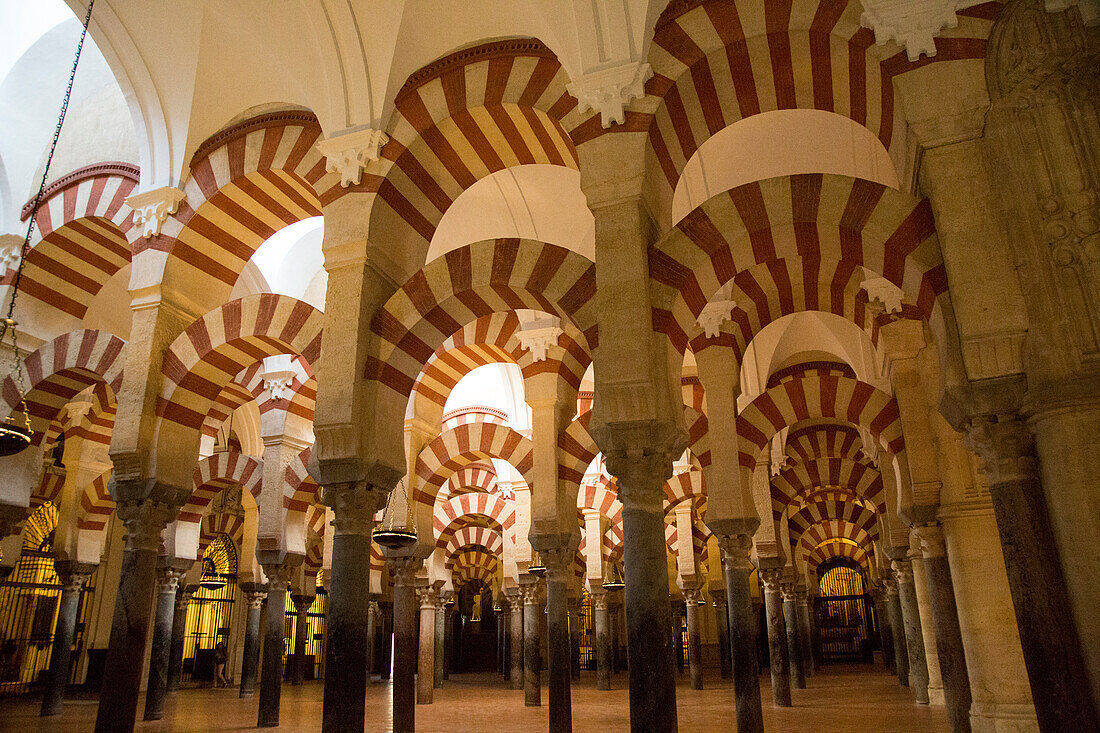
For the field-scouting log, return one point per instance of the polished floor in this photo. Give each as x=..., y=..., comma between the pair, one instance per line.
x=855, y=699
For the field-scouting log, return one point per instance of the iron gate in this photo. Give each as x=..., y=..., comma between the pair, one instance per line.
x=844, y=615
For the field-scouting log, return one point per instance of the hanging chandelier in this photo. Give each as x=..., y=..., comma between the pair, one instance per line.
x=15, y=431
x=537, y=566
x=390, y=534
x=615, y=579
x=211, y=579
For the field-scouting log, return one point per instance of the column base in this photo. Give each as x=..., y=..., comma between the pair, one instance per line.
x=936, y=696
x=1004, y=718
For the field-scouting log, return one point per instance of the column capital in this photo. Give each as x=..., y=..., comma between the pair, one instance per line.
x=169, y=579
x=772, y=578
x=404, y=569
x=279, y=574
x=354, y=506
x=73, y=575
x=350, y=152
x=789, y=591
x=152, y=208
x=429, y=597
x=599, y=599
x=735, y=551
x=931, y=540
x=530, y=593
x=302, y=602
x=515, y=600
x=255, y=598
x=641, y=476
x=144, y=522
x=903, y=570
x=693, y=597
x=718, y=598
x=559, y=562
x=1005, y=446
x=890, y=585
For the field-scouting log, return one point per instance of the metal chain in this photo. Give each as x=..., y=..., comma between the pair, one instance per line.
x=7, y=323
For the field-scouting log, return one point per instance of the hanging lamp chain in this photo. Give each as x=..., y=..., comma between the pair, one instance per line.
x=8, y=323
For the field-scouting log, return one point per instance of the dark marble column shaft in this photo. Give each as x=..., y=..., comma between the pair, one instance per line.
x=405, y=631
x=742, y=623
x=374, y=615
x=387, y=640
x=440, y=646
x=575, y=620
x=803, y=601
x=897, y=630
x=254, y=596
x=692, y=599
x=73, y=576
x=914, y=635
x=425, y=677
x=532, y=651
x=601, y=621
x=794, y=638
x=885, y=633
x=301, y=636
x=559, y=563
x=778, y=654
x=945, y=618
x=271, y=671
x=676, y=629
x=156, y=690
x=144, y=524
x=179, y=632
x=722, y=616
x=515, y=630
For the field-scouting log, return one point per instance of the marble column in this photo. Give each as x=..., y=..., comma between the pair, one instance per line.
x=425, y=674
x=778, y=653
x=928, y=629
x=498, y=617
x=802, y=598
x=692, y=598
x=386, y=617
x=1060, y=683
x=897, y=630
x=301, y=635
x=559, y=572
x=576, y=619
x=721, y=614
x=676, y=630
x=271, y=673
x=405, y=629
x=885, y=632
x=950, y=653
x=346, y=643
x=601, y=622
x=179, y=631
x=914, y=636
x=168, y=580
x=440, y=647
x=742, y=623
x=374, y=617
x=254, y=595
x=532, y=656
x=649, y=652
x=515, y=620
x=143, y=523
x=794, y=637
x=73, y=576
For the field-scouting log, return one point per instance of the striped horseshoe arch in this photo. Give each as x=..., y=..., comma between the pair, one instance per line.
x=497, y=513
x=96, y=504
x=59, y=370
x=827, y=515
x=715, y=63
x=463, y=117
x=84, y=237
x=472, y=536
x=686, y=486
x=805, y=477
x=214, y=525
x=576, y=449
x=471, y=565
x=830, y=530
x=791, y=244
x=825, y=440
x=602, y=498
x=839, y=549
x=300, y=491
x=477, y=477
x=216, y=473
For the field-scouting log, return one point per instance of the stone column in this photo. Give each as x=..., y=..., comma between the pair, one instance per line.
x=498, y=617
x=794, y=637
x=601, y=621
x=144, y=522
x=179, y=631
x=575, y=621
x=885, y=632
x=73, y=576
x=692, y=598
x=559, y=571
x=721, y=614
x=440, y=646
x=914, y=636
x=425, y=679
x=515, y=601
x=532, y=657
x=374, y=615
x=157, y=689
x=271, y=673
x=405, y=628
x=928, y=630
x=778, y=652
x=346, y=642
x=897, y=630
x=1060, y=684
x=742, y=622
x=301, y=635
x=950, y=653
x=387, y=639
x=254, y=595
x=802, y=599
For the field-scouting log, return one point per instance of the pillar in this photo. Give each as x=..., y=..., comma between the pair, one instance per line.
x=897, y=630
x=951, y=656
x=346, y=633
x=778, y=653
x=914, y=636
x=179, y=630
x=885, y=632
x=794, y=637
x=692, y=598
x=802, y=599
x=425, y=679
x=576, y=620
x=498, y=616
x=721, y=613
x=387, y=640
x=601, y=622
x=143, y=525
x=157, y=688
x=271, y=673
x=928, y=630
x=374, y=615
x=301, y=635
x=254, y=595
x=405, y=629
x=532, y=662
x=440, y=647
x=515, y=619
x=676, y=629
x=73, y=576
x=742, y=631
x=559, y=572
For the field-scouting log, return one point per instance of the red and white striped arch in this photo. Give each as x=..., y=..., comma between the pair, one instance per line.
x=715, y=63
x=602, y=498
x=791, y=244
x=461, y=446
x=493, y=276
x=829, y=550
x=300, y=491
x=832, y=529
x=214, y=525
x=96, y=504
x=824, y=517
x=472, y=536
x=475, y=478
x=803, y=478
x=497, y=513
x=472, y=113
x=686, y=486
x=59, y=370
x=810, y=368
x=214, y=349
x=84, y=237
x=216, y=473
x=576, y=450
x=471, y=565
x=698, y=435
x=832, y=440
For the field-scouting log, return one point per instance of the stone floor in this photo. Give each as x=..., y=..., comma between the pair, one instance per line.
x=858, y=699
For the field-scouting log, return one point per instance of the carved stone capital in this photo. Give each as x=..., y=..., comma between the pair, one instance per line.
x=354, y=506
x=713, y=315
x=903, y=570
x=931, y=540
x=912, y=23
x=611, y=90
x=641, y=476
x=559, y=563
x=429, y=597
x=144, y=523
x=404, y=569
x=735, y=551
x=73, y=575
x=599, y=600
x=1005, y=446
x=890, y=585
x=539, y=341
x=152, y=208
x=883, y=293
x=302, y=602
x=772, y=578
x=280, y=574
x=531, y=594
x=789, y=591
x=255, y=599
x=350, y=153
x=694, y=597
x=169, y=579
